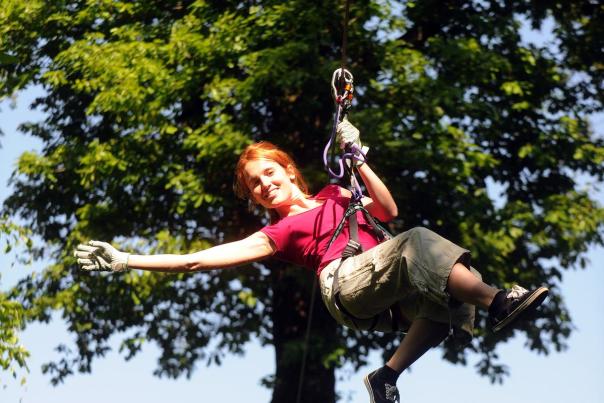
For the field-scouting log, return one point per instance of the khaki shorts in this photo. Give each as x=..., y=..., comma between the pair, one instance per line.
x=407, y=273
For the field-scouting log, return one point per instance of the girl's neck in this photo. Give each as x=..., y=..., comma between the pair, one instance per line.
x=298, y=205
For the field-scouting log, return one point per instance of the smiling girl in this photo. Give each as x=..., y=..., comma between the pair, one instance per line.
x=417, y=282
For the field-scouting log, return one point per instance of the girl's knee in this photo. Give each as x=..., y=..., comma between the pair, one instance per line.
x=416, y=233
x=420, y=232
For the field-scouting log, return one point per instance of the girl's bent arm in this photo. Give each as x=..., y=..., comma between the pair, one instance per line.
x=382, y=206
x=253, y=248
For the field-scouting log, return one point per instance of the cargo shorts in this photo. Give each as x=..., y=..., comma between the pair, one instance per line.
x=408, y=274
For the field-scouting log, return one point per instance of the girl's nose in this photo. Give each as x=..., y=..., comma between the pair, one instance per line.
x=265, y=181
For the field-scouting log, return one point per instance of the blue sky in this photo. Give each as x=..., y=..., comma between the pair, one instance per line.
x=573, y=375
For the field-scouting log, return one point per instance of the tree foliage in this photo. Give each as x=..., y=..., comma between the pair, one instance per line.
x=148, y=104
x=12, y=316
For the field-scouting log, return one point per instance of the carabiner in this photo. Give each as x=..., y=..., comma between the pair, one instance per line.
x=342, y=88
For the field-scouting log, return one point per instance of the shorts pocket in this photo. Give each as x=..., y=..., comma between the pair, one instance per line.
x=371, y=285
x=355, y=275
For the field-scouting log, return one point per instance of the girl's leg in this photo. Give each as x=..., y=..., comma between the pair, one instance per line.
x=423, y=334
x=505, y=306
x=465, y=287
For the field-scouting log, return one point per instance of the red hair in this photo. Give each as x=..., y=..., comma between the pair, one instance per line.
x=264, y=150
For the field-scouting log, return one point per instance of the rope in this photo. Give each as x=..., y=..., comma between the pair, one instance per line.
x=345, y=35
x=307, y=339
x=314, y=286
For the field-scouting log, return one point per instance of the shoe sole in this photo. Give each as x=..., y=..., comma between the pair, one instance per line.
x=527, y=306
x=369, y=388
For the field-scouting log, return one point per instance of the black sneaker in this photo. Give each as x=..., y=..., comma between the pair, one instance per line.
x=518, y=302
x=380, y=390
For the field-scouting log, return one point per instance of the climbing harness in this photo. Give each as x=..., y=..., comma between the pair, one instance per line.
x=342, y=90
x=340, y=80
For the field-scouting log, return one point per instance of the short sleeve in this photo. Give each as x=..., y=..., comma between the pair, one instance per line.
x=278, y=234
x=331, y=191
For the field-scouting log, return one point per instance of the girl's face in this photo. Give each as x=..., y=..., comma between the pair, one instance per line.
x=270, y=184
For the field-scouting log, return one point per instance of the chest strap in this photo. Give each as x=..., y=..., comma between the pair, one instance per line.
x=354, y=247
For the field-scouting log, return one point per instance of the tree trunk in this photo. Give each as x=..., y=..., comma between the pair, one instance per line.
x=291, y=303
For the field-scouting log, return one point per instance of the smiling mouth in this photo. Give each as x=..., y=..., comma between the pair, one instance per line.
x=270, y=193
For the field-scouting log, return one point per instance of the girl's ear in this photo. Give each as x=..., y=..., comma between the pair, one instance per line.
x=290, y=172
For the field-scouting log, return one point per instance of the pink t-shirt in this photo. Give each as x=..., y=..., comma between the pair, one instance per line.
x=302, y=238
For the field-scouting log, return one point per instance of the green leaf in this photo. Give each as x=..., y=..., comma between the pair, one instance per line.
x=6, y=59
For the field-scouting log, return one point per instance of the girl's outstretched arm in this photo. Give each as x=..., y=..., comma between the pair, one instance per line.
x=101, y=256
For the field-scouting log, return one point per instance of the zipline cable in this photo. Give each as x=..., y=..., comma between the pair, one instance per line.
x=315, y=280
x=345, y=35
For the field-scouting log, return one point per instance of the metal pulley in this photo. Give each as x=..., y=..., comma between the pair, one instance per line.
x=342, y=89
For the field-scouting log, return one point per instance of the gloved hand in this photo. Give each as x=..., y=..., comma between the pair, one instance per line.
x=101, y=256
x=346, y=133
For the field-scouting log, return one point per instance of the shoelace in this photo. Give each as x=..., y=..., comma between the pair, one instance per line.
x=516, y=292
x=392, y=393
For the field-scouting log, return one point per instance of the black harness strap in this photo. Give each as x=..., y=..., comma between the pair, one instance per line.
x=350, y=216
x=353, y=247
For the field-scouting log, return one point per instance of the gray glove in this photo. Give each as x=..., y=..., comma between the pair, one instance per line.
x=346, y=133
x=101, y=256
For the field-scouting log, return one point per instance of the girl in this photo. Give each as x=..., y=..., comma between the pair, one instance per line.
x=417, y=281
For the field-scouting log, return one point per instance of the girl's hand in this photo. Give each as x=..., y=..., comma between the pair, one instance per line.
x=348, y=134
x=101, y=256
